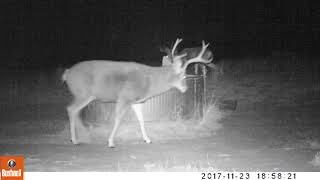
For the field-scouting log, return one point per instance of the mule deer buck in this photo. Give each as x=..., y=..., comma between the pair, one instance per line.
x=190, y=53
x=126, y=83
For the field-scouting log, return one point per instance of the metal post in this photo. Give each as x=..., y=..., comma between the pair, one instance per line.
x=204, y=73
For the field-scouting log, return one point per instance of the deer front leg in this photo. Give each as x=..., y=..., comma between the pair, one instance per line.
x=137, y=108
x=121, y=109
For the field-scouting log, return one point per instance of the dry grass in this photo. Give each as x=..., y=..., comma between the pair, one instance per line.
x=173, y=165
x=316, y=160
x=314, y=144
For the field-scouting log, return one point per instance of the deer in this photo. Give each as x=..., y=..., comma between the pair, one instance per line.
x=190, y=53
x=128, y=84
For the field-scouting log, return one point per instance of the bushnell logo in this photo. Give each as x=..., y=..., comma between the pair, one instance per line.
x=12, y=163
x=12, y=167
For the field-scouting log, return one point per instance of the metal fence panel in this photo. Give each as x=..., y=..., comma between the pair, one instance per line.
x=171, y=105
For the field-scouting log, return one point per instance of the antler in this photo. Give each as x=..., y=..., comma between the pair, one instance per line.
x=177, y=59
x=198, y=58
x=175, y=46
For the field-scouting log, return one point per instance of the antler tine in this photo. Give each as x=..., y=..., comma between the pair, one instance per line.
x=204, y=47
x=179, y=57
x=199, y=57
x=175, y=46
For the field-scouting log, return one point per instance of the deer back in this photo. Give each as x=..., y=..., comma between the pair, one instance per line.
x=112, y=81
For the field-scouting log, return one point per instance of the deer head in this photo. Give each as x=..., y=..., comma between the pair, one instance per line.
x=190, y=54
x=170, y=52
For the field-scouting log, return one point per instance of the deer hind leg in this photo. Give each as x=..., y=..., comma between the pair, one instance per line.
x=121, y=109
x=73, y=113
x=137, y=108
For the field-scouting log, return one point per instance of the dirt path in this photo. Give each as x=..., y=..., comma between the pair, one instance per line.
x=164, y=156
x=215, y=153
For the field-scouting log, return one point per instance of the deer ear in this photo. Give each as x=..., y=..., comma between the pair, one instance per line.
x=211, y=65
x=164, y=49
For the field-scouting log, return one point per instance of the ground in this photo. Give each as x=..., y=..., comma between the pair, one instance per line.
x=274, y=128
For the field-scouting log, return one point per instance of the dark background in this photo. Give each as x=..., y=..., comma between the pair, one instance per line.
x=48, y=33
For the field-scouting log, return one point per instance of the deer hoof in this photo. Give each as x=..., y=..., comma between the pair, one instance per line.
x=74, y=142
x=111, y=144
x=148, y=141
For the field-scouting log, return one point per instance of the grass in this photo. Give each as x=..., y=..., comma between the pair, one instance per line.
x=172, y=164
x=316, y=160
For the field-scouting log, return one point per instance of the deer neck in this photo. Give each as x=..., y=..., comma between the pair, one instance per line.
x=161, y=80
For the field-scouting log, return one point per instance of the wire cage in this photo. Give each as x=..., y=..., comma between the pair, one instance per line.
x=171, y=105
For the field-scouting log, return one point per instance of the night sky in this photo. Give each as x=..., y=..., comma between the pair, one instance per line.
x=48, y=33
